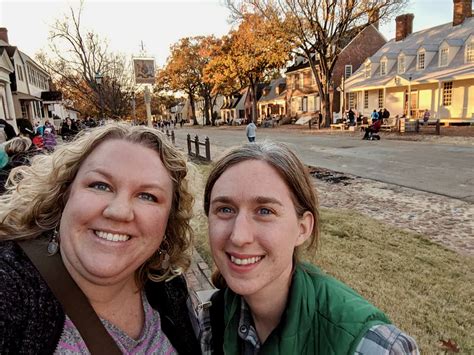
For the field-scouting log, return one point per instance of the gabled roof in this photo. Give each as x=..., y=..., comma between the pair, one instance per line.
x=5, y=61
x=301, y=62
x=455, y=42
x=27, y=58
x=272, y=92
x=430, y=40
x=239, y=102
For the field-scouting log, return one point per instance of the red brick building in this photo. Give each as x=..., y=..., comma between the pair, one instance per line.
x=302, y=93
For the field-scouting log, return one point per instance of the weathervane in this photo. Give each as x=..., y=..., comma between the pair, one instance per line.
x=142, y=49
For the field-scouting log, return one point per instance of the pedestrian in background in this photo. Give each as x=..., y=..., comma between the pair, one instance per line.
x=250, y=131
x=426, y=116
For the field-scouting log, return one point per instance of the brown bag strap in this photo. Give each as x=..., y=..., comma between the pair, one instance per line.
x=74, y=302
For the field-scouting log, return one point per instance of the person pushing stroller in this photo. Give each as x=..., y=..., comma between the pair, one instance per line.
x=370, y=132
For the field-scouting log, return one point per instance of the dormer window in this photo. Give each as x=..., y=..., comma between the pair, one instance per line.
x=347, y=71
x=367, y=70
x=383, y=67
x=470, y=51
x=443, y=57
x=420, y=62
x=401, y=64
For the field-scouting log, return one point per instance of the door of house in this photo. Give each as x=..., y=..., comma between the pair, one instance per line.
x=413, y=104
x=305, y=104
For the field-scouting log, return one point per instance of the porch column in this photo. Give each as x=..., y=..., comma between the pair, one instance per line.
x=438, y=114
x=409, y=100
x=384, y=97
x=10, y=105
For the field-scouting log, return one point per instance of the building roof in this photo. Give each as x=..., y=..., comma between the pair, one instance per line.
x=239, y=102
x=301, y=62
x=429, y=40
x=272, y=92
x=27, y=58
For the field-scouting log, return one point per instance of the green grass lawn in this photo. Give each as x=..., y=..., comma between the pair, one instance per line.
x=425, y=289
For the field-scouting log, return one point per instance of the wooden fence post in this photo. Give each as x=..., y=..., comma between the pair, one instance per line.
x=189, y=144
x=196, y=144
x=208, y=149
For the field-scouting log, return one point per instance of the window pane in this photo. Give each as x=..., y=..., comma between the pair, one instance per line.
x=447, y=93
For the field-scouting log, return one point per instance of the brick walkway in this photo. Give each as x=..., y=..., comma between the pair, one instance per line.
x=198, y=276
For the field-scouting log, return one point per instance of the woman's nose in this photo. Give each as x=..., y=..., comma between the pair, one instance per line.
x=243, y=230
x=119, y=208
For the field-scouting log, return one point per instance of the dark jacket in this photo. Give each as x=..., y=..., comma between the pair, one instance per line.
x=32, y=319
x=8, y=129
x=68, y=132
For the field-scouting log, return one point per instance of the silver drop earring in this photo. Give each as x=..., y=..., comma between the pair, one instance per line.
x=53, y=245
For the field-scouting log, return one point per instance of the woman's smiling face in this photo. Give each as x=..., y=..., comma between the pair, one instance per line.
x=254, y=228
x=116, y=214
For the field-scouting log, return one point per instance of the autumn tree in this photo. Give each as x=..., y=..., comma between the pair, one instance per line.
x=183, y=71
x=248, y=54
x=75, y=57
x=208, y=48
x=318, y=29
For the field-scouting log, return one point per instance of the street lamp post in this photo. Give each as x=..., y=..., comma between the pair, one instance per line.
x=409, y=97
x=98, y=80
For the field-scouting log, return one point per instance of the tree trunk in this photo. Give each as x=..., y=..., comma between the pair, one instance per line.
x=327, y=110
x=193, y=109
x=253, y=93
x=206, y=110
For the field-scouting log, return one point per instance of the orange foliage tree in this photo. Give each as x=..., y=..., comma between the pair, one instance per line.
x=247, y=55
x=184, y=71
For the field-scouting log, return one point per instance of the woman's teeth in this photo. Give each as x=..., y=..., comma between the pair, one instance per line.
x=247, y=261
x=112, y=237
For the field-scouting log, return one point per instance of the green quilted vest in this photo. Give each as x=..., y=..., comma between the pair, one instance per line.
x=323, y=316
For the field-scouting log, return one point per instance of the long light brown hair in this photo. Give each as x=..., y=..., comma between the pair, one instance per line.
x=292, y=171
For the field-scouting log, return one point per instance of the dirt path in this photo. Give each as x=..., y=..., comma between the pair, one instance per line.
x=441, y=219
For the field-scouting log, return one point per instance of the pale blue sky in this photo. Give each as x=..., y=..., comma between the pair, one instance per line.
x=155, y=22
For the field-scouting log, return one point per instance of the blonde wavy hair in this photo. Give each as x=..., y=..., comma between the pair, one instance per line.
x=37, y=195
x=17, y=145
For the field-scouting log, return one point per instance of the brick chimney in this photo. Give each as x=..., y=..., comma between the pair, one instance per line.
x=404, y=26
x=4, y=34
x=462, y=10
x=374, y=18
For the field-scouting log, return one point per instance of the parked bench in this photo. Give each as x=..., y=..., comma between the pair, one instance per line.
x=428, y=125
x=340, y=126
x=391, y=125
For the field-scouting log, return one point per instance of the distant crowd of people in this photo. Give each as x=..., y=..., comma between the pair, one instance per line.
x=17, y=149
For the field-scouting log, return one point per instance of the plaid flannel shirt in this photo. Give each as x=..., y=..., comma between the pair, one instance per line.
x=384, y=339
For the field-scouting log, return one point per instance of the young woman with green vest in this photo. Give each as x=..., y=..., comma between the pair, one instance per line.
x=262, y=208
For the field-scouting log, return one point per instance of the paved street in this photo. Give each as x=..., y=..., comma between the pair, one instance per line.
x=437, y=168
